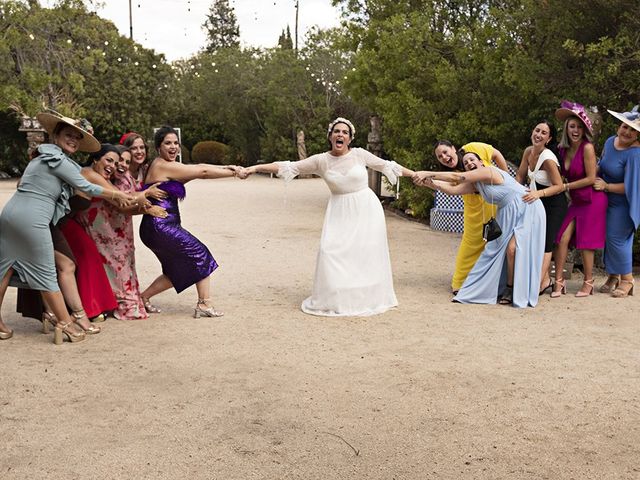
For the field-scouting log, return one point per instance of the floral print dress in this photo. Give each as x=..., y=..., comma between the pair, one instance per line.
x=112, y=231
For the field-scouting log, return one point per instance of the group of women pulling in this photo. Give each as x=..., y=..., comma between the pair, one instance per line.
x=51, y=239
x=602, y=211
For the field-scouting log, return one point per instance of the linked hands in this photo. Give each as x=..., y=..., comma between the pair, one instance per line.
x=423, y=179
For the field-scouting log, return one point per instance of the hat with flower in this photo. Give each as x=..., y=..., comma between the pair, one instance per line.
x=50, y=120
x=631, y=118
x=572, y=109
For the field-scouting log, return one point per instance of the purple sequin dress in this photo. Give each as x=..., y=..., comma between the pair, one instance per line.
x=184, y=258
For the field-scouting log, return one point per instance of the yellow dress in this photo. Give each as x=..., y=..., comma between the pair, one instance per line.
x=472, y=245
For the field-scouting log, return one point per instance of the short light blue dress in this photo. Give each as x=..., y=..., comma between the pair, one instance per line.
x=42, y=198
x=524, y=221
x=623, y=212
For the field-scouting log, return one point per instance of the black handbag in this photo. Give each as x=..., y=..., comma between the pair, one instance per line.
x=491, y=229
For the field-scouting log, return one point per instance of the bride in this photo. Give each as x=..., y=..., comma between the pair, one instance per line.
x=353, y=270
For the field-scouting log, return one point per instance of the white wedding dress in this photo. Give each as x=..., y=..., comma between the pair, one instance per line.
x=353, y=269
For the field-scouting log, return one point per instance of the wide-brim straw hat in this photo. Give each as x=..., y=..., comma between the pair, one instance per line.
x=88, y=143
x=572, y=109
x=631, y=118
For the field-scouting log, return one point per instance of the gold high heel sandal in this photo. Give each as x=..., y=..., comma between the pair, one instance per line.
x=49, y=320
x=6, y=335
x=621, y=292
x=561, y=286
x=148, y=307
x=588, y=283
x=205, y=312
x=610, y=285
x=91, y=329
x=61, y=329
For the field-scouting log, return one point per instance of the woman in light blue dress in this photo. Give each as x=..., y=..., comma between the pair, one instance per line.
x=509, y=266
x=26, y=246
x=620, y=178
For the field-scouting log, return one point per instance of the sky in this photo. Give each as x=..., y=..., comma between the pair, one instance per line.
x=173, y=27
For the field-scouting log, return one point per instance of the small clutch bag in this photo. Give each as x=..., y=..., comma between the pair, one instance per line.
x=491, y=230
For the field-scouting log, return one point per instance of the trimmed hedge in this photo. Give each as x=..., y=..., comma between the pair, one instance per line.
x=211, y=152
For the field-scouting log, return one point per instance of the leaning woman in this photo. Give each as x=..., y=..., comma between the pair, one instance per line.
x=620, y=179
x=185, y=260
x=521, y=244
x=475, y=208
x=353, y=269
x=26, y=247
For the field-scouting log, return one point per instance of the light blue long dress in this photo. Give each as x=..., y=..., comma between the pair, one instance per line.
x=42, y=198
x=623, y=212
x=525, y=221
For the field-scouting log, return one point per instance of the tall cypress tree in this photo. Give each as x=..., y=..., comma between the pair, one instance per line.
x=221, y=26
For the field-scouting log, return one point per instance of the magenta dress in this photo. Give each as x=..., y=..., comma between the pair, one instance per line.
x=184, y=258
x=588, y=207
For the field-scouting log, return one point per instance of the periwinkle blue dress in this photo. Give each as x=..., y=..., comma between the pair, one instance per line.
x=527, y=222
x=623, y=212
x=42, y=198
x=184, y=258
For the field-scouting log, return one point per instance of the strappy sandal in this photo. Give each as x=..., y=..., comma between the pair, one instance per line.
x=205, y=312
x=549, y=286
x=589, y=285
x=560, y=288
x=62, y=329
x=91, y=329
x=507, y=296
x=148, y=306
x=622, y=292
x=610, y=285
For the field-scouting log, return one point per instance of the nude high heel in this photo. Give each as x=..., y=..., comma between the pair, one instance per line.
x=6, y=335
x=92, y=329
x=199, y=311
x=49, y=320
x=62, y=329
x=621, y=292
x=560, y=288
x=610, y=285
x=588, y=283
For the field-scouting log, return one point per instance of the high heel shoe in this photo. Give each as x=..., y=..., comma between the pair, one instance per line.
x=62, y=329
x=205, y=312
x=581, y=293
x=48, y=320
x=560, y=288
x=610, y=285
x=6, y=335
x=91, y=329
x=621, y=292
x=549, y=286
x=148, y=307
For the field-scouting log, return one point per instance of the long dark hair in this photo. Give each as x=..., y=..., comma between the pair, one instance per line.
x=161, y=133
x=447, y=143
x=104, y=149
x=553, y=137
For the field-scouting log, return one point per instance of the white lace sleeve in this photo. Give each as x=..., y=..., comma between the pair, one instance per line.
x=287, y=171
x=388, y=168
x=290, y=170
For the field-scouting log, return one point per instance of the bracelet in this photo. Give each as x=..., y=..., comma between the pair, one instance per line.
x=606, y=187
x=543, y=192
x=113, y=195
x=566, y=186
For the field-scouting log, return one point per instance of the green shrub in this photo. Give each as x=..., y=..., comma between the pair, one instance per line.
x=186, y=156
x=211, y=152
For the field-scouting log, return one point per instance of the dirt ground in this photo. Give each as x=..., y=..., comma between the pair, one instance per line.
x=430, y=390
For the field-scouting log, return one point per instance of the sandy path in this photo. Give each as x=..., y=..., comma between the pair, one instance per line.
x=431, y=390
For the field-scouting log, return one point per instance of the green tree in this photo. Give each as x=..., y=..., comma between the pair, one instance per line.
x=221, y=26
x=285, y=41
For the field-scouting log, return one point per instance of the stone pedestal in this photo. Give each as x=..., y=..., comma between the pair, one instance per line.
x=36, y=135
